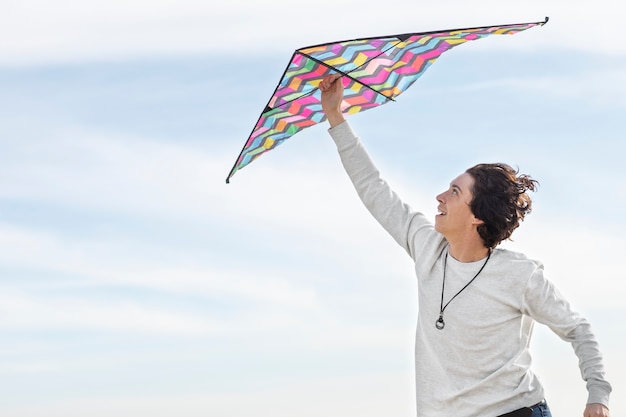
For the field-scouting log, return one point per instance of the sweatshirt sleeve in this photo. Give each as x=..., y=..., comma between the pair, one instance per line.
x=409, y=228
x=544, y=303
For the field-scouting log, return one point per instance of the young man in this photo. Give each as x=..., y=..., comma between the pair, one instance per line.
x=477, y=303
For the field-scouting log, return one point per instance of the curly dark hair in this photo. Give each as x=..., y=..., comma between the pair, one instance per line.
x=500, y=200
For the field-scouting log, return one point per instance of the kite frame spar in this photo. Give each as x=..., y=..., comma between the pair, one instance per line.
x=400, y=38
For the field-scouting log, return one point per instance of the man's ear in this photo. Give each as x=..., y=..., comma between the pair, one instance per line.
x=477, y=221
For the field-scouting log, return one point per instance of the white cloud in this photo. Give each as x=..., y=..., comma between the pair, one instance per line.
x=35, y=31
x=606, y=88
x=54, y=313
x=371, y=394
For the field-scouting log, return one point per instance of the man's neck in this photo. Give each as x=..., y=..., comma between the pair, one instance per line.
x=468, y=251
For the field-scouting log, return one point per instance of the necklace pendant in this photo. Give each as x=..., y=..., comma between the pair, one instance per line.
x=440, y=324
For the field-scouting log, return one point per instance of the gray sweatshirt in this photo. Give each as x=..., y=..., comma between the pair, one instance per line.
x=479, y=364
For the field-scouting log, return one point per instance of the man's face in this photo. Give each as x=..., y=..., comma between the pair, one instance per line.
x=455, y=216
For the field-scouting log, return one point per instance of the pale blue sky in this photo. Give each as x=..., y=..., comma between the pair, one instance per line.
x=134, y=281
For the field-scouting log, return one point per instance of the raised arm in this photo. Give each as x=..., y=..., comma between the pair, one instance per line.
x=408, y=227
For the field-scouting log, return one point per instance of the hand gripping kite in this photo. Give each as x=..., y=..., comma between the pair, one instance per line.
x=374, y=70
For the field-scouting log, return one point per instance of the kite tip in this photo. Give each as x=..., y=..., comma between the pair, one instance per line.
x=230, y=175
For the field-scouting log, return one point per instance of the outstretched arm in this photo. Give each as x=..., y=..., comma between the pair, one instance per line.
x=332, y=96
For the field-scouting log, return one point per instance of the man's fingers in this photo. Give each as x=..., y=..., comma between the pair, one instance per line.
x=328, y=81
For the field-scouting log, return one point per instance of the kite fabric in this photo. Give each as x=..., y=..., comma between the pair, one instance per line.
x=374, y=71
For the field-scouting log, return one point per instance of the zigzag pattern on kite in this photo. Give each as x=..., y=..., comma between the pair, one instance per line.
x=376, y=70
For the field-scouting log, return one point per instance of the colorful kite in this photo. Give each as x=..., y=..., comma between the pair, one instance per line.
x=374, y=70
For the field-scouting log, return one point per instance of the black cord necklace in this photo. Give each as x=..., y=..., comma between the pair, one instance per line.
x=440, y=324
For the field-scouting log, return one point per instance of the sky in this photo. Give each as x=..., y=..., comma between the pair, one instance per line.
x=134, y=281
